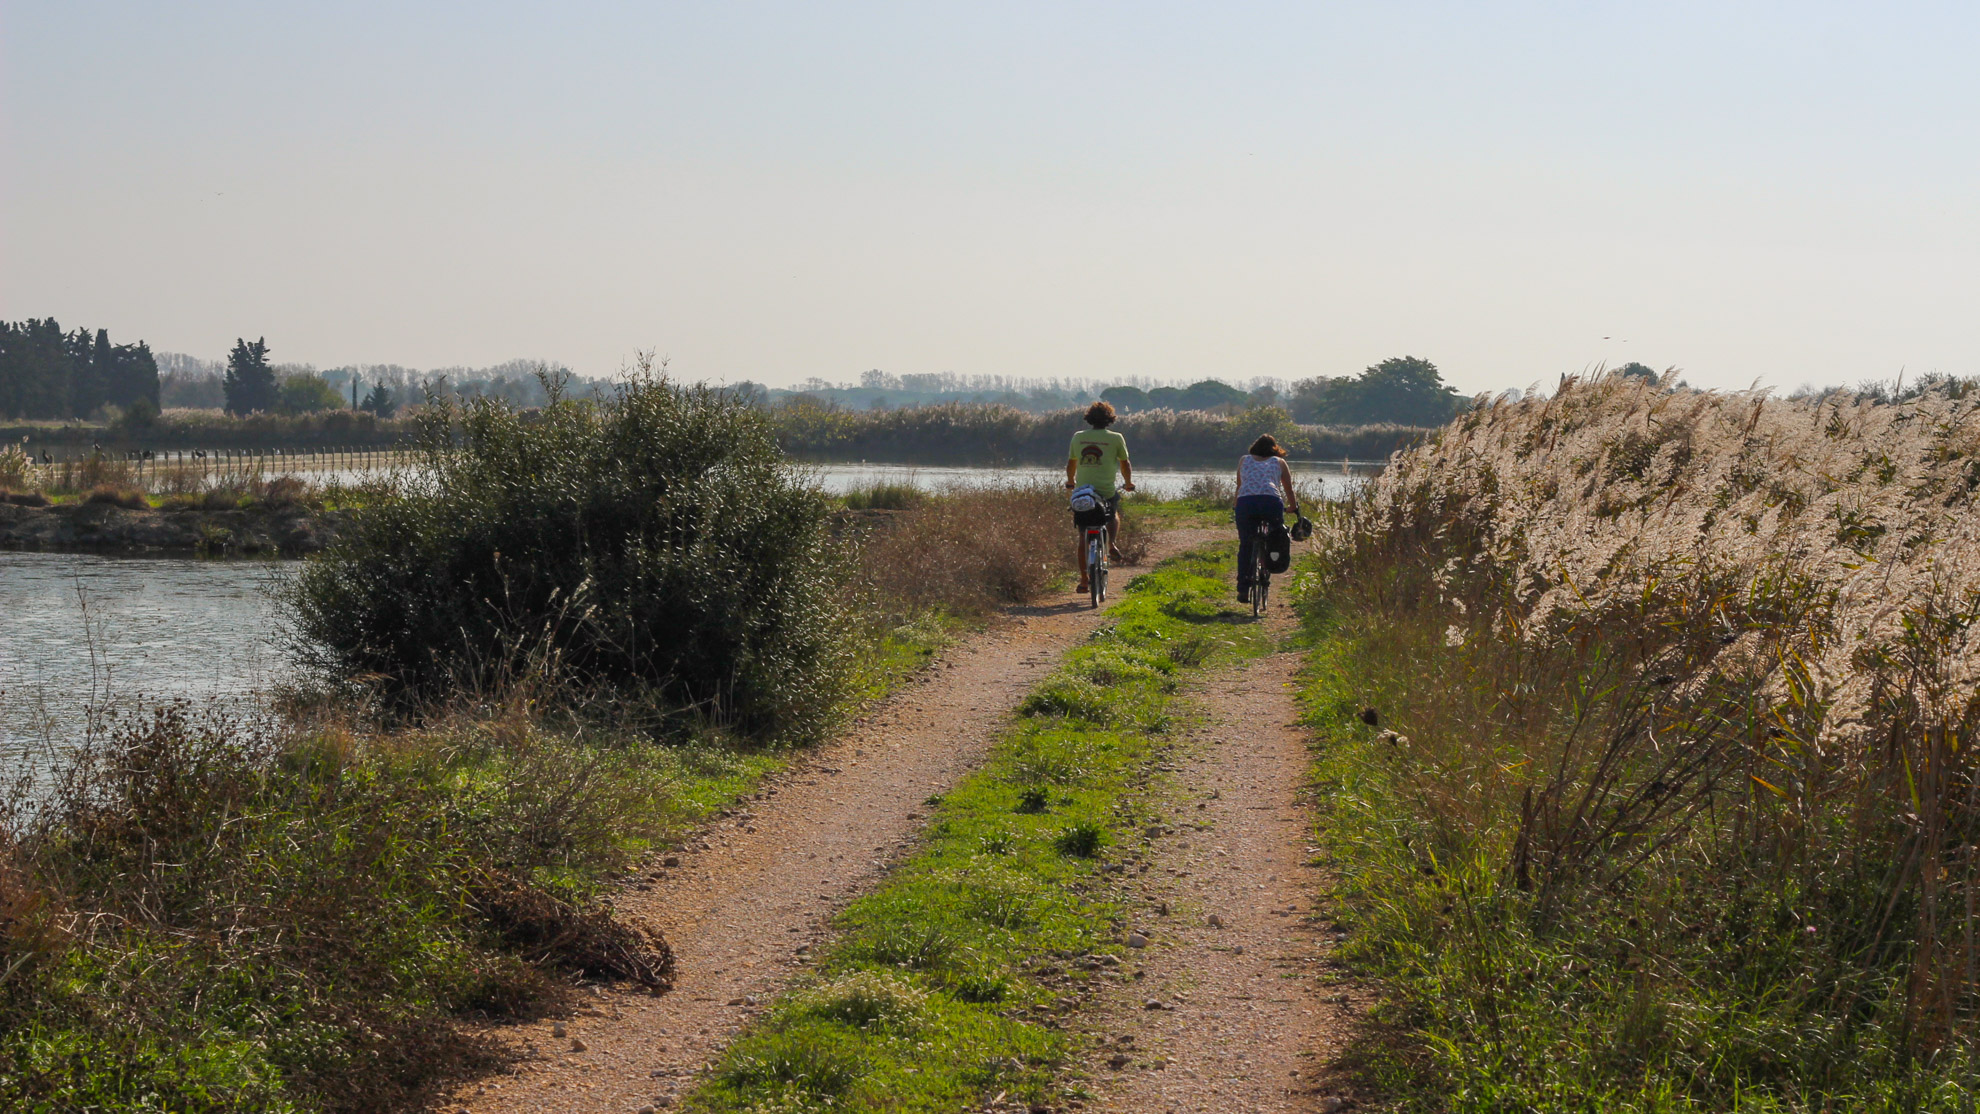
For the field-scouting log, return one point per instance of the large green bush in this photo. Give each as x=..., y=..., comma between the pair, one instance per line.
x=655, y=547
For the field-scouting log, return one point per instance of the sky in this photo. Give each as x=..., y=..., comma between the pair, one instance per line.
x=1772, y=193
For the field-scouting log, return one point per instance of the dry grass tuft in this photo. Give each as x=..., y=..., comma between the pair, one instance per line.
x=112, y=495
x=969, y=551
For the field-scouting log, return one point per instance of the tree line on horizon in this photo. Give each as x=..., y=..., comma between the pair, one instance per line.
x=1405, y=390
x=49, y=374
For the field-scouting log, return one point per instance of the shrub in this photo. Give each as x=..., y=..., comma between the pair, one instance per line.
x=657, y=544
x=125, y=497
x=234, y=921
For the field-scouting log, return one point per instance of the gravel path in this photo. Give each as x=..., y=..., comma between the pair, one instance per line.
x=1247, y=1020
x=744, y=902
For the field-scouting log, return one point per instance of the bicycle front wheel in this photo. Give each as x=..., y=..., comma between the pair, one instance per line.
x=1261, y=577
x=1096, y=571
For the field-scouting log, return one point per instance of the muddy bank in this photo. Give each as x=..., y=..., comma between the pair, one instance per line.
x=287, y=531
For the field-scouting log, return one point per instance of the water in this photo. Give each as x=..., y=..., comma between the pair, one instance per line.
x=83, y=635
x=86, y=635
x=1333, y=481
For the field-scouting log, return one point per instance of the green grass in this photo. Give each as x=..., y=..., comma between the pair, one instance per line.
x=942, y=988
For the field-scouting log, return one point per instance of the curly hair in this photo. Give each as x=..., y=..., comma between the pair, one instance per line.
x=1100, y=415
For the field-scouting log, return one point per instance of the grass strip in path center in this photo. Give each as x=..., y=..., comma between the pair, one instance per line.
x=946, y=986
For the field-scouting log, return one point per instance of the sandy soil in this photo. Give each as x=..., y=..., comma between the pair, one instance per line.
x=744, y=903
x=1240, y=1013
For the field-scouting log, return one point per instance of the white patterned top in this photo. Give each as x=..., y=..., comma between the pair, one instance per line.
x=1259, y=477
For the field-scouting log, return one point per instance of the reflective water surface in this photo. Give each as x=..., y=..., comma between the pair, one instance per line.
x=1334, y=483
x=83, y=635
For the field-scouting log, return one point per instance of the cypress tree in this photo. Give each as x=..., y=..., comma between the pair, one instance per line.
x=89, y=363
x=250, y=383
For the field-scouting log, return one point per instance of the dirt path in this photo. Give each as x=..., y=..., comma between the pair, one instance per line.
x=1246, y=1021
x=744, y=902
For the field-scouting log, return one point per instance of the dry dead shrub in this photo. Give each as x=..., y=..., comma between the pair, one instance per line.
x=283, y=491
x=547, y=930
x=969, y=551
x=128, y=498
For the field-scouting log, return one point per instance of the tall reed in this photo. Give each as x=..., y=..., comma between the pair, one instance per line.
x=1682, y=686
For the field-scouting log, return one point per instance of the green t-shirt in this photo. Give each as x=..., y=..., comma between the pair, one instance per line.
x=1096, y=455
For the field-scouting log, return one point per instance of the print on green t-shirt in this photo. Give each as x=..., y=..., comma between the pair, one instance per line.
x=1096, y=455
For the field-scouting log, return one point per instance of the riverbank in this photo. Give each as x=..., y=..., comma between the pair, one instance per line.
x=255, y=530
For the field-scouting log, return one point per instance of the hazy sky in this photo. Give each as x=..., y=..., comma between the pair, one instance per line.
x=1787, y=192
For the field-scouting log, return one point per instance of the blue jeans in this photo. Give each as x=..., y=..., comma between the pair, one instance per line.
x=1252, y=510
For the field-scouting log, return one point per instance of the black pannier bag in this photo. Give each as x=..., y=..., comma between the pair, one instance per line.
x=1278, y=549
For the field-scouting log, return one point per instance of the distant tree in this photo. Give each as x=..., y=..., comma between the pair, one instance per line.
x=138, y=417
x=137, y=375
x=1634, y=370
x=1125, y=399
x=1211, y=394
x=303, y=393
x=34, y=370
x=191, y=390
x=751, y=393
x=47, y=373
x=381, y=401
x=1315, y=400
x=250, y=383
x=1404, y=389
x=89, y=358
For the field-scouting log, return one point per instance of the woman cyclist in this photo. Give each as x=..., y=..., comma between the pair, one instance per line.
x=1264, y=491
x=1096, y=454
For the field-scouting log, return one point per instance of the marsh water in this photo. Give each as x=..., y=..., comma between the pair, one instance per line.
x=1333, y=480
x=85, y=639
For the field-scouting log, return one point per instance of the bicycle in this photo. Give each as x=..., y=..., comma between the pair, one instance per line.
x=1261, y=567
x=1096, y=563
x=1098, y=537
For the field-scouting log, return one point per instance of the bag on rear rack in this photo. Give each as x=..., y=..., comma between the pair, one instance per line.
x=1278, y=549
x=1088, y=508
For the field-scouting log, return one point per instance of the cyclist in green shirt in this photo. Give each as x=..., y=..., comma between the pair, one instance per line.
x=1094, y=458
